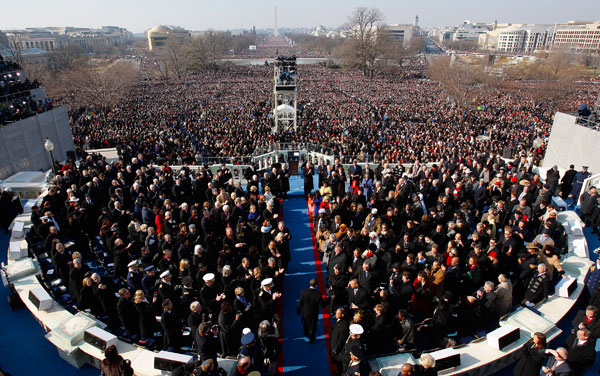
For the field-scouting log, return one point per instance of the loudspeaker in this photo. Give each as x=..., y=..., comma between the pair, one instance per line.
x=168, y=361
x=503, y=336
x=565, y=287
x=40, y=299
x=446, y=358
x=508, y=152
x=100, y=339
x=17, y=230
x=15, y=251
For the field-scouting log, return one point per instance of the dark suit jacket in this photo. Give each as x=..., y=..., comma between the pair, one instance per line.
x=309, y=303
x=339, y=334
x=562, y=370
x=369, y=283
x=580, y=357
x=361, y=299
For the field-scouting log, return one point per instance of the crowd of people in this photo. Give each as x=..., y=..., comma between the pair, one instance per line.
x=204, y=254
x=430, y=256
x=396, y=116
x=16, y=102
x=417, y=258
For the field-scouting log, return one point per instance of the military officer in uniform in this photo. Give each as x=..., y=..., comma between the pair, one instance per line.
x=134, y=276
x=166, y=290
x=211, y=296
x=188, y=296
x=150, y=281
x=267, y=299
x=592, y=287
x=578, y=183
x=357, y=366
x=354, y=339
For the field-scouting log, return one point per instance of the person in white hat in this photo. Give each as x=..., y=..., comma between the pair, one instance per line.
x=373, y=222
x=166, y=290
x=354, y=341
x=211, y=295
x=267, y=299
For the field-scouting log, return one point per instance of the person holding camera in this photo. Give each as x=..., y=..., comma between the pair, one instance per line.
x=207, y=342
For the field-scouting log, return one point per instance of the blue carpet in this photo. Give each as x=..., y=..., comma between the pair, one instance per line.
x=28, y=357
x=300, y=357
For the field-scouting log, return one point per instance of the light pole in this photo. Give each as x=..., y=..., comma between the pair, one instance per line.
x=49, y=146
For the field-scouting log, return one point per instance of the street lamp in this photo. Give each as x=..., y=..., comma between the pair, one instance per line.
x=49, y=146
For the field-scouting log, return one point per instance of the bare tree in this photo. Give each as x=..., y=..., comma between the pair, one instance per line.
x=363, y=29
x=14, y=47
x=458, y=80
x=100, y=87
x=65, y=58
x=559, y=61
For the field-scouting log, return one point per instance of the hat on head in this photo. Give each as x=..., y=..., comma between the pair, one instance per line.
x=267, y=282
x=164, y=274
x=525, y=183
x=74, y=199
x=208, y=277
x=374, y=211
x=133, y=263
x=356, y=329
x=532, y=246
x=585, y=167
x=248, y=338
x=246, y=331
x=322, y=211
x=357, y=351
x=149, y=268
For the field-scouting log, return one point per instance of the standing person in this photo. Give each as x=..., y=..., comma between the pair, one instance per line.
x=338, y=335
x=589, y=200
x=307, y=174
x=357, y=366
x=582, y=351
x=532, y=356
x=566, y=183
x=578, y=184
x=170, y=325
x=309, y=303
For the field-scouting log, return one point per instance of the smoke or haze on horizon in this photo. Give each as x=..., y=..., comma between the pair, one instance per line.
x=242, y=14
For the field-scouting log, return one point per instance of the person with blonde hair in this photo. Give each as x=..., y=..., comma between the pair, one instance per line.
x=147, y=318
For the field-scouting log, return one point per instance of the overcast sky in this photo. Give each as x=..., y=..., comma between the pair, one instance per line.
x=138, y=16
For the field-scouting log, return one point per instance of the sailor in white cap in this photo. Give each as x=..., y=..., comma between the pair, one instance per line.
x=354, y=342
x=211, y=295
x=165, y=288
x=134, y=275
x=267, y=298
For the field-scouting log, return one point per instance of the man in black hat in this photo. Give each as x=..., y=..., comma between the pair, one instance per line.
x=357, y=366
x=310, y=303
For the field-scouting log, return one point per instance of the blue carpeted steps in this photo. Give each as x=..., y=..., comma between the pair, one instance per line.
x=300, y=357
